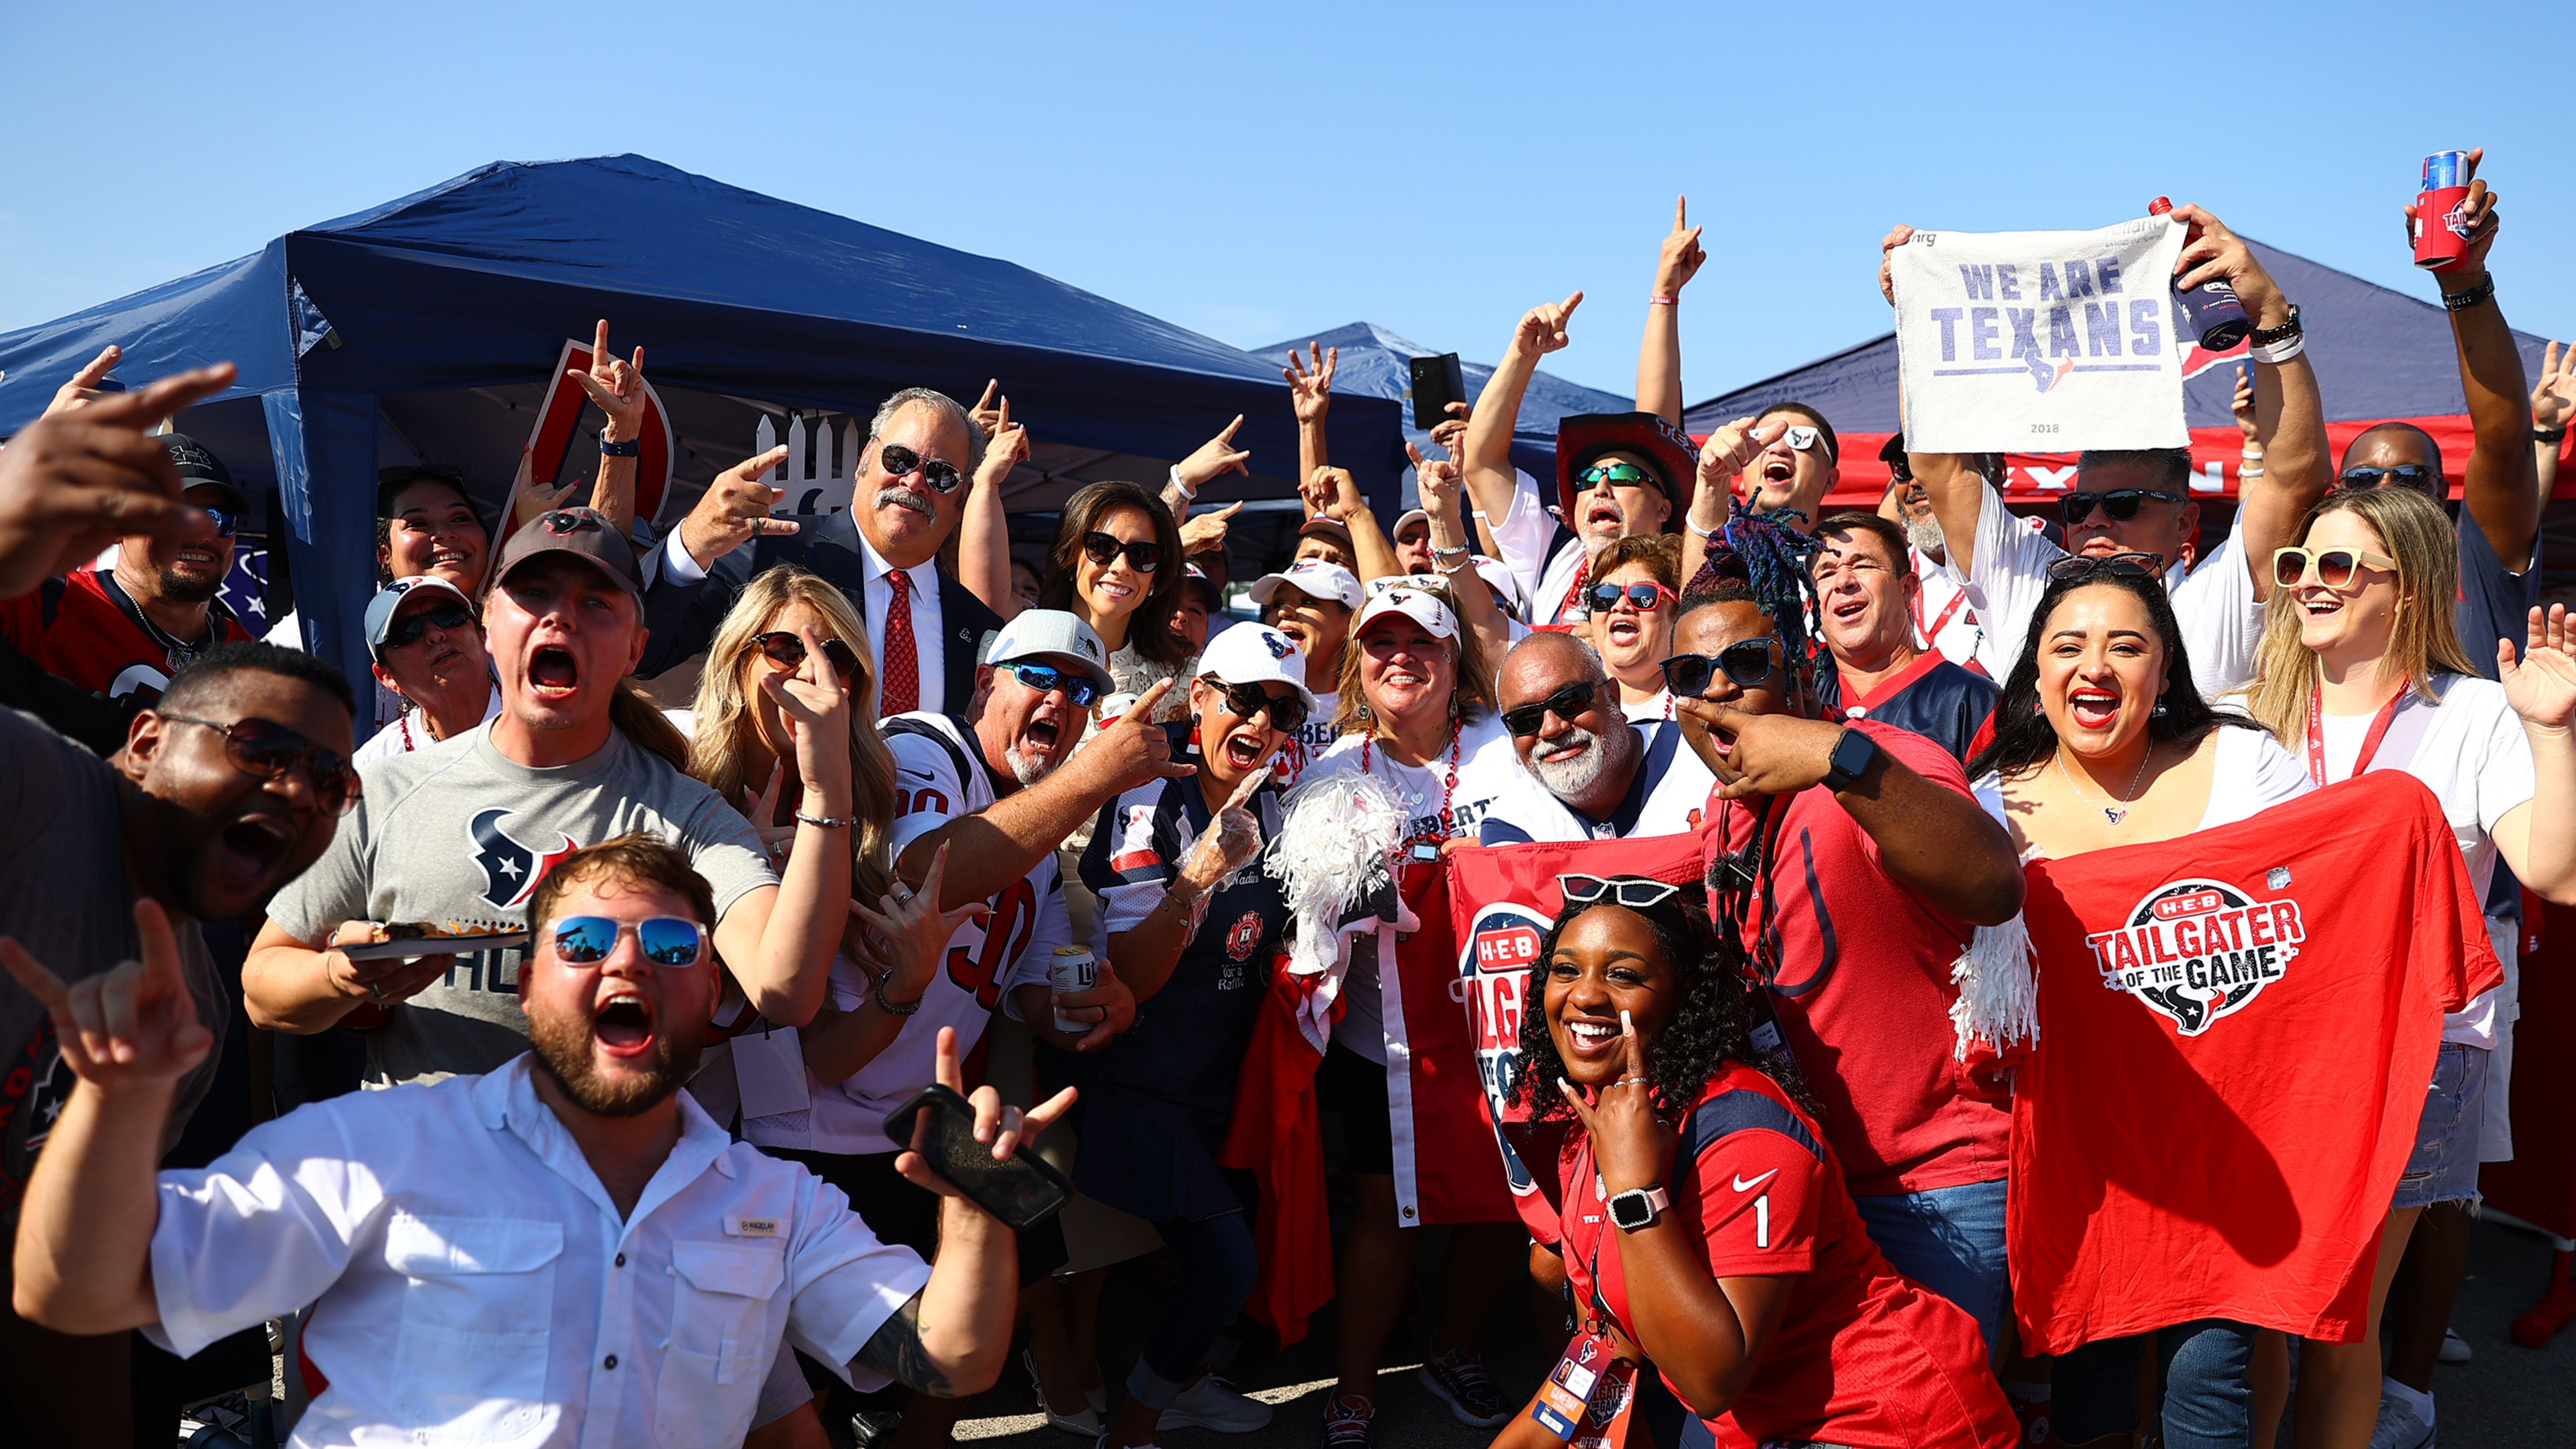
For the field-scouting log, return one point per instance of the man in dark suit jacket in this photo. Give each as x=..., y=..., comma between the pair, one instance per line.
x=908, y=493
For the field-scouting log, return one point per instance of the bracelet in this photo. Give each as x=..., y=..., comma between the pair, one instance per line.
x=889, y=1007
x=1438, y=552
x=2279, y=352
x=2478, y=295
x=1187, y=491
x=631, y=448
x=2249, y=470
x=2557, y=434
x=1448, y=569
x=1663, y=301
x=826, y=821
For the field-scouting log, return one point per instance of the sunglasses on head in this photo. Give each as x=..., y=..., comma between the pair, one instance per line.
x=1648, y=597
x=1145, y=555
x=667, y=941
x=1250, y=701
x=2123, y=565
x=1078, y=689
x=409, y=628
x=1574, y=699
x=1748, y=662
x=2333, y=567
x=267, y=751
x=1634, y=891
x=2413, y=475
x=2120, y=503
x=898, y=460
x=1615, y=475
x=787, y=651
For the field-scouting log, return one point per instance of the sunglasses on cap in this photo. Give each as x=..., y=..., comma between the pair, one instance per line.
x=1078, y=689
x=2121, y=565
x=2413, y=475
x=409, y=628
x=1615, y=475
x=1647, y=597
x=787, y=651
x=666, y=941
x=267, y=751
x=1633, y=891
x=1747, y=662
x=1145, y=555
x=1250, y=701
x=2333, y=567
x=898, y=460
x=1574, y=699
x=2120, y=503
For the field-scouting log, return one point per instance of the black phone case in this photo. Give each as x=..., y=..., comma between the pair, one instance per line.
x=1437, y=382
x=899, y=1125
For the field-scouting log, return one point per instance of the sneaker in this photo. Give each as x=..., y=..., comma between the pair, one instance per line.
x=2398, y=1428
x=1091, y=1422
x=2455, y=1349
x=1348, y=1422
x=1212, y=1403
x=1458, y=1379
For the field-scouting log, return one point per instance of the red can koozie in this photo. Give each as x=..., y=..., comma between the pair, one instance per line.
x=2441, y=227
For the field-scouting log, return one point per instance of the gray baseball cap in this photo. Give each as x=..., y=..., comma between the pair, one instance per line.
x=1056, y=637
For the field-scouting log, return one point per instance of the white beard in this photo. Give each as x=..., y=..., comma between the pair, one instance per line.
x=1027, y=771
x=1567, y=778
x=1924, y=534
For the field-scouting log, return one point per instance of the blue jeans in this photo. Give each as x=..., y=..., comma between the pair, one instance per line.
x=2444, y=1167
x=2207, y=1402
x=1951, y=1241
x=1218, y=1264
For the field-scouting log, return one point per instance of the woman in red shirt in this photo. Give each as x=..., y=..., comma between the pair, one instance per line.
x=1706, y=1229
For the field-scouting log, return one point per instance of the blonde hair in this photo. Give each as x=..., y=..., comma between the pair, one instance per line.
x=2425, y=637
x=726, y=723
x=1472, y=689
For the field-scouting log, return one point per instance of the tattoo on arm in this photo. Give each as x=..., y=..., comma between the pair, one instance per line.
x=896, y=1350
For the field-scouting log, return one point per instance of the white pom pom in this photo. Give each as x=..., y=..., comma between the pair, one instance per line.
x=1998, y=998
x=1337, y=827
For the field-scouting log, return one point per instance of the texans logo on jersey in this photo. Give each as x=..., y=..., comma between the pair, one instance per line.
x=511, y=870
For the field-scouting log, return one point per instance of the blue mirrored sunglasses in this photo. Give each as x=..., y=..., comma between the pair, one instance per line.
x=665, y=940
x=1078, y=689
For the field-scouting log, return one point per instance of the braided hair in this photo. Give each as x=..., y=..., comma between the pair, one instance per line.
x=1771, y=559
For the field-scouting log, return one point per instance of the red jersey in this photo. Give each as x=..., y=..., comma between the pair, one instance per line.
x=86, y=629
x=1859, y=972
x=1860, y=1356
x=2236, y=1031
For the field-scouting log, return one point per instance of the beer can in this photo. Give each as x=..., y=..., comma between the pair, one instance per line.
x=2444, y=169
x=1073, y=969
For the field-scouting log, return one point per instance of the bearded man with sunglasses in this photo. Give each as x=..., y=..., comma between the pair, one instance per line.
x=1856, y=867
x=1586, y=773
x=910, y=494
x=2139, y=501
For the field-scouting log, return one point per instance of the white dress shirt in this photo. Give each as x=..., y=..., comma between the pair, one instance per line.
x=472, y=1282
x=679, y=566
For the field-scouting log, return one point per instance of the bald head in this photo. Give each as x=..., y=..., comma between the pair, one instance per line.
x=2397, y=445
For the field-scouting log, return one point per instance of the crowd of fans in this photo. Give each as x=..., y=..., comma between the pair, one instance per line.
x=631, y=1177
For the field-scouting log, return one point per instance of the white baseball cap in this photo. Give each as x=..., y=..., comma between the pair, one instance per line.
x=1411, y=515
x=1057, y=637
x=1257, y=654
x=1418, y=604
x=1315, y=579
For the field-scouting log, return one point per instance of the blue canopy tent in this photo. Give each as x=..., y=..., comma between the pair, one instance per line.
x=426, y=329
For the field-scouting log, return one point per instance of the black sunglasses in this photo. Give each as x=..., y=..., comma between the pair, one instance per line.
x=1748, y=662
x=267, y=751
x=1565, y=704
x=1634, y=891
x=2120, y=503
x=410, y=627
x=1144, y=555
x=1249, y=701
x=899, y=460
x=1078, y=689
x=2413, y=475
x=1605, y=597
x=787, y=651
x=2123, y=565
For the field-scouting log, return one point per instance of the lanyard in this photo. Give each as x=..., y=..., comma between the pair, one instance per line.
x=1949, y=611
x=2369, y=742
x=1746, y=898
x=1448, y=791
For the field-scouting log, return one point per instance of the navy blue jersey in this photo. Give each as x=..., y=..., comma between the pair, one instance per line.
x=1951, y=706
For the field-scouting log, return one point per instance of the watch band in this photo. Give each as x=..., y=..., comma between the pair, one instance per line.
x=2557, y=434
x=1853, y=754
x=2269, y=336
x=2477, y=296
x=631, y=448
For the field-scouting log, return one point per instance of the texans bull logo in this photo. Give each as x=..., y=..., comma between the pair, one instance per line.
x=511, y=870
x=2199, y=951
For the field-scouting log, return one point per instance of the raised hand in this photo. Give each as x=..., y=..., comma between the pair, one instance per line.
x=2553, y=397
x=1334, y=493
x=83, y=388
x=131, y=1029
x=2479, y=209
x=2211, y=252
x=815, y=706
x=908, y=937
x=1218, y=455
x=2242, y=404
x=1005, y=1129
x=1451, y=432
x=617, y=387
x=1006, y=446
x=1310, y=389
x=2542, y=686
x=1205, y=532
x=1436, y=479
x=1132, y=749
x=75, y=481
x=1887, y=246
x=1233, y=836
x=735, y=510
x=1759, y=754
x=1630, y=1145
x=992, y=409
x=1682, y=254
x=531, y=500
x=1731, y=449
x=1542, y=328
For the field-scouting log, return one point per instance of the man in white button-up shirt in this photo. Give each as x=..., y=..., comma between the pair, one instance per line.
x=563, y=1251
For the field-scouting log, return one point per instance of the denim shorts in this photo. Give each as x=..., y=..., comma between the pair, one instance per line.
x=2445, y=1165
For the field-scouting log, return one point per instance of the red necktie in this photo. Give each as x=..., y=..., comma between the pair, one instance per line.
x=899, y=692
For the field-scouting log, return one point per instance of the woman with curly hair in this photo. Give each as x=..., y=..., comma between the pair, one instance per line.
x=1707, y=1232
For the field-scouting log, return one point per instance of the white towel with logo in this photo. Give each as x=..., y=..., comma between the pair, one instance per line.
x=2040, y=341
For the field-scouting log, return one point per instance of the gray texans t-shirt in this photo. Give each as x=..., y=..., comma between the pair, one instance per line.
x=457, y=836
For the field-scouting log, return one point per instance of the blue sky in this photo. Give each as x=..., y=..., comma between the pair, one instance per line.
x=1256, y=172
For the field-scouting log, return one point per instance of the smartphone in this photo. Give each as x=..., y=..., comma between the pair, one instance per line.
x=1437, y=382
x=1022, y=1192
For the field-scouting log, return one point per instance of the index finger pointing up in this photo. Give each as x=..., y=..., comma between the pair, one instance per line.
x=40, y=982
x=1572, y=302
x=160, y=945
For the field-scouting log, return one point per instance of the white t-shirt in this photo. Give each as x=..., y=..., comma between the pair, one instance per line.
x=1653, y=711
x=2251, y=774
x=2215, y=606
x=1525, y=535
x=1486, y=767
x=1944, y=619
x=409, y=732
x=2470, y=751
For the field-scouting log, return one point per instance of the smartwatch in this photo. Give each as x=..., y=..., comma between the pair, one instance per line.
x=631, y=448
x=1638, y=1207
x=1853, y=754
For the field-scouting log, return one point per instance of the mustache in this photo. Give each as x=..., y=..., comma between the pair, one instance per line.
x=895, y=495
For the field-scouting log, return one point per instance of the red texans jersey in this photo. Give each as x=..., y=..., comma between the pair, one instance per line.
x=86, y=629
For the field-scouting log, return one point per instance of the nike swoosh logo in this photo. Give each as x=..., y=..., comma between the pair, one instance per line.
x=1743, y=1186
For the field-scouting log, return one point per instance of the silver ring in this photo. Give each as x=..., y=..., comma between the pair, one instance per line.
x=902, y=897
x=1634, y=1081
